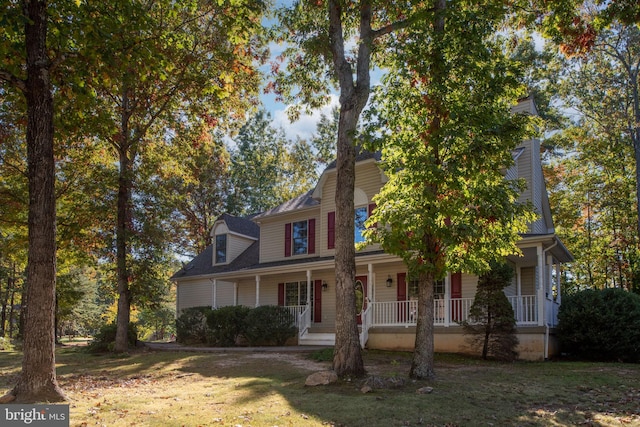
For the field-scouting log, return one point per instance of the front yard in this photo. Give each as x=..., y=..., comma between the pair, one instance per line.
x=150, y=388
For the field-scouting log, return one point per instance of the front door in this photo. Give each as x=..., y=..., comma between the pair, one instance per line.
x=361, y=296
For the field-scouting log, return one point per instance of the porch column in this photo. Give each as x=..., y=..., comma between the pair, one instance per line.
x=214, y=292
x=447, y=300
x=558, y=282
x=370, y=280
x=257, y=290
x=540, y=298
x=308, y=288
x=235, y=293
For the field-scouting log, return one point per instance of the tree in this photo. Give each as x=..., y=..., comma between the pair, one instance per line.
x=153, y=66
x=492, y=323
x=321, y=32
x=594, y=179
x=267, y=169
x=37, y=381
x=445, y=208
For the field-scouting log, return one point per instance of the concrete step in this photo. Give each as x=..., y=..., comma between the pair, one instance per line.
x=317, y=339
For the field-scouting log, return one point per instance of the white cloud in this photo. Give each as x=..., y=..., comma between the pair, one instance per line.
x=305, y=126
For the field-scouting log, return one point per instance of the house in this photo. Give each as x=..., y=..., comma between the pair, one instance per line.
x=285, y=256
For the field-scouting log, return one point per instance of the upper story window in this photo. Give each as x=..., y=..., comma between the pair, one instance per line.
x=299, y=237
x=361, y=215
x=221, y=248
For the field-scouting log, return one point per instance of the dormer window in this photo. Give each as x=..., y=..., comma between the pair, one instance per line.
x=221, y=248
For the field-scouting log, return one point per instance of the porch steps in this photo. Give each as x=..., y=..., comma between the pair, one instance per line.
x=316, y=338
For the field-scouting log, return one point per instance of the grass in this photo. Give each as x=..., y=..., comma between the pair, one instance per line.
x=267, y=389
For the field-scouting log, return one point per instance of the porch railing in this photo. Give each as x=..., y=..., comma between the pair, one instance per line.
x=405, y=313
x=366, y=317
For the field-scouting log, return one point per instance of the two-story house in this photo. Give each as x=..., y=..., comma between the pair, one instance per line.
x=285, y=256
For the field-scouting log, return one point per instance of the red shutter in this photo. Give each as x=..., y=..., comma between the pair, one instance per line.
x=456, y=293
x=372, y=206
x=280, y=293
x=331, y=230
x=311, y=249
x=287, y=239
x=317, y=301
x=402, y=296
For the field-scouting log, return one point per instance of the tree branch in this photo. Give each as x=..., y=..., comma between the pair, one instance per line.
x=398, y=25
x=13, y=80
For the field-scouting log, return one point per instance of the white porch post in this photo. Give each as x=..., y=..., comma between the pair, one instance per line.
x=235, y=293
x=558, y=282
x=540, y=286
x=447, y=300
x=214, y=292
x=308, y=288
x=519, y=314
x=370, y=280
x=257, y=290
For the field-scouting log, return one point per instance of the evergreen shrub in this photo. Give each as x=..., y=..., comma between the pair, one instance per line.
x=191, y=325
x=105, y=339
x=269, y=324
x=601, y=325
x=226, y=324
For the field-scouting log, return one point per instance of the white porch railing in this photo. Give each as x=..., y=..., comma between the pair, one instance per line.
x=297, y=312
x=405, y=313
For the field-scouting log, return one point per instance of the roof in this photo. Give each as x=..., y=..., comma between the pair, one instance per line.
x=203, y=263
x=241, y=225
x=301, y=202
x=361, y=155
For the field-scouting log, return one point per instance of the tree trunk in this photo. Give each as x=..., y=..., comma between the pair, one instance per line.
x=122, y=231
x=37, y=381
x=422, y=363
x=347, y=359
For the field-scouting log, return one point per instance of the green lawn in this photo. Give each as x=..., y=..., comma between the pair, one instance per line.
x=267, y=389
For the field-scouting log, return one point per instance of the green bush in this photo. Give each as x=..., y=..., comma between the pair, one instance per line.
x=269, y=324
x=105, y=339
x=492, y=325
x=191, y=325
x=226, y=324
x=601, y=325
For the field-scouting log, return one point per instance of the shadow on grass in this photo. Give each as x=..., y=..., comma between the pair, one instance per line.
x=466, y=392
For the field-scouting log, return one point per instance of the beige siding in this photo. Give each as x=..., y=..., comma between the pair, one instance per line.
x=528, y=281
x=247, y=293
x=469, y=285
x=225, y=294
x=236, y=245
x=272, y=235
x=369, y=180
x=194, y=294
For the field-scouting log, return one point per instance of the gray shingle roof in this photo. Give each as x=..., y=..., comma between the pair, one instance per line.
x=203, y=263
x=303, y=201
x=240, y=225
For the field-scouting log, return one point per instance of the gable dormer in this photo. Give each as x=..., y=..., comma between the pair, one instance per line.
x=230, y=237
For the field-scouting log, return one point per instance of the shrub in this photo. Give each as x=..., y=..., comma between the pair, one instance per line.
x=105, y=339
x=191, y=325
x=601, y=325
x=226, y=324
x=492, y=323
x=269, y=324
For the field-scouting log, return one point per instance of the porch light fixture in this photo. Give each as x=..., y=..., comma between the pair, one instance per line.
x=389, y=281
x=325, y=286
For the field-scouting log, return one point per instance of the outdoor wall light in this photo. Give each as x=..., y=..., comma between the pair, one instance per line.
x=389, y=282
x=325, y=286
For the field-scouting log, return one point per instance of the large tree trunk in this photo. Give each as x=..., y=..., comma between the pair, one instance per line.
x=122, y=231
x=347, y=359
x=37, y=381
x=422, y=363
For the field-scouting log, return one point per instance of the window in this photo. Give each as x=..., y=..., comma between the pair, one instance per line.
x=221, y=248
x=412, y=290
x=360, y=218
x=295, y=293
x=300, y=237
